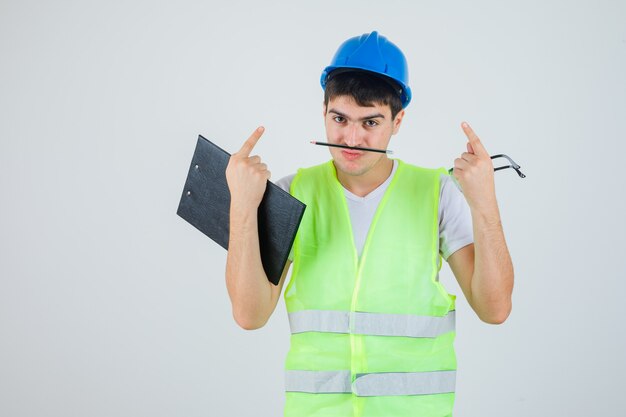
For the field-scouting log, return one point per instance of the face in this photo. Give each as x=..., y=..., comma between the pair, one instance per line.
x=347, y=123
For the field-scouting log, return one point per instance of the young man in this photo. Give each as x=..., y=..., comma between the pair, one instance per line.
x=372, y=327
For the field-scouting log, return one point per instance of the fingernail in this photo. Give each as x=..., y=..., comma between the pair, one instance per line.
x=260, y=128
x=464, y=124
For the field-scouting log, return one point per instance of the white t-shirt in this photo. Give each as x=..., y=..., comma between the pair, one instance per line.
x=455, y=220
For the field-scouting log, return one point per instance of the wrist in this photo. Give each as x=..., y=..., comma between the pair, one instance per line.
x=243, y=212
x=486, y=214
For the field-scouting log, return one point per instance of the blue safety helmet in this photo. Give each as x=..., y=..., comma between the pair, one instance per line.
x=374, y=53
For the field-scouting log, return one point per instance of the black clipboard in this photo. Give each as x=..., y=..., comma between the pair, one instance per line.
x=205, y=204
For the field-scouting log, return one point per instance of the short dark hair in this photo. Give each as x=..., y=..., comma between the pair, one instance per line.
x=365, y=88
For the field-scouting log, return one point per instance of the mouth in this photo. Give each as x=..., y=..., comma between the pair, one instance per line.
x=350, y=155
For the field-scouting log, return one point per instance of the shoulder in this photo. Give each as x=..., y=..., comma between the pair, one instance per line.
x=422, y=176
x=313, y=177
x=449, y=184
x=419, y=170
x=286, y=182
x=450, y=192
x=455, y=220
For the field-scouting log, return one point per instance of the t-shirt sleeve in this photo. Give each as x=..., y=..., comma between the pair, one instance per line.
x=285, y=184
x=455, y=219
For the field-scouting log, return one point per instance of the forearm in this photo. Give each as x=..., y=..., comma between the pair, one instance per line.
x=248, y=287
x=492, y=280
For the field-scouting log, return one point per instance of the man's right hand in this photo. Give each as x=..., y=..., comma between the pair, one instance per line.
x=252, y=296
x=247, y=176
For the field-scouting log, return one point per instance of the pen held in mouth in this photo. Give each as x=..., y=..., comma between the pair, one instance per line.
x=356, y=148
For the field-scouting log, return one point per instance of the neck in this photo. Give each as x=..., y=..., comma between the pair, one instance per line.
x=362, y=185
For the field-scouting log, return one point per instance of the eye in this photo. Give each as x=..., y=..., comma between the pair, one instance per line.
x=339, y=119
x=371, y=123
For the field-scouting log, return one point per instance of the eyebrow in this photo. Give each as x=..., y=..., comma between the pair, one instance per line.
x=372, y=116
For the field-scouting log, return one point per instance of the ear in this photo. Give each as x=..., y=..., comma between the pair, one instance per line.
x=397, y=121
x=323, y=109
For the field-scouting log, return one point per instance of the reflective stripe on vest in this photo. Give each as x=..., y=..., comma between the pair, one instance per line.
x=368, y=385
x=327, y=382
x=375, y=324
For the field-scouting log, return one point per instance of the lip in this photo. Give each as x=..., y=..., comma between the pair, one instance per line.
x=351, y=155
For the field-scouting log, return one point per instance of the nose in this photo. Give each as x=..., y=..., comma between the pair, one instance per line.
x=352, y=135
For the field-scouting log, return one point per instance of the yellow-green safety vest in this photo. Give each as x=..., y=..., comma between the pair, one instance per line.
x=370, y=336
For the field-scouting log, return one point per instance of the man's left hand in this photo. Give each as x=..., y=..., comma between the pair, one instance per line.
x=474, y=172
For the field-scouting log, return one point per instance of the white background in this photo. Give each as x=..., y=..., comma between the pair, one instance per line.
x=112, y=305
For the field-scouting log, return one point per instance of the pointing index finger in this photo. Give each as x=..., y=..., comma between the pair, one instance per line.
x=248, y=145
x=474, y=141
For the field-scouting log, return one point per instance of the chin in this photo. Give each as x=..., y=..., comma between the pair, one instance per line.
x=351, y=168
